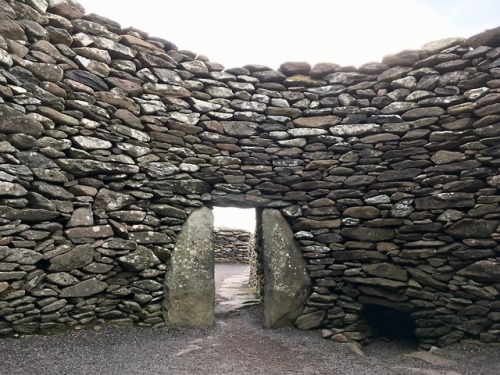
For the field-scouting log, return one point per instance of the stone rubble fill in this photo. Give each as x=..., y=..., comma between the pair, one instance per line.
x=233, y=245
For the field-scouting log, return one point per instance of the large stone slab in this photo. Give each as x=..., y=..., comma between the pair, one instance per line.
x=139, y=260
x=86, y=167
x=473, y=228
x=189, y=284
x=78, y=257
x=483, y=271
x=14, y=122
x=490, y=37
x=84, y=289
x=286, y=281
x=368, y=234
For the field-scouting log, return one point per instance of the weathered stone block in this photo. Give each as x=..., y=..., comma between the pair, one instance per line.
x=311, y=320
x=189, y=284
x=473, y=228
x=139, y=260
x=368, y=234
x=386, y=270
x=76, y=258
x=482, y=271
x=286, y=281
x=445, y=200
x=84, y=289
x=97, y=231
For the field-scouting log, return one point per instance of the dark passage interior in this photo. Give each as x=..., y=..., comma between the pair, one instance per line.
x=391, y=324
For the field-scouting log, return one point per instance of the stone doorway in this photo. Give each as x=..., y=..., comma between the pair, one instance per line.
x=236, y=275
x=190, y=288
x=390, y=324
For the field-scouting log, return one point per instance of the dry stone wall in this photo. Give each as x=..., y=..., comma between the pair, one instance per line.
x=232, y=245
x=109, y=138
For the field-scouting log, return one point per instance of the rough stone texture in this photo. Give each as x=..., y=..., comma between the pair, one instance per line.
x=233, y=245
x=286, y=282
x=110, y=139
x=189, y=285
x=84, y=289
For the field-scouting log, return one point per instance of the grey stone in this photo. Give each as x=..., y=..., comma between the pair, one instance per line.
x=148, y=285
x=110, y=200
x=54, y=306
x=84, y=289
x=88, y=79
x=167, y=210
x=445, y=157
x=45, y=72
x=367, y=212
x=28, y=214
x=150, y=237
x=92, y=143
x=483, y=271
x=182, y=186
x=286, y=281
x=14, y=122
x=12, y=189
x=473, y=228
x=14, y=275
x=160, y=169
x=189, y=284
x=386, y=270
x=442, y=44
x=61, y=279
x=376, y=281
x=115, y=49
x=96, y=231
x=130, y=133
x=445, y=200
x=166, y=90
x=489, y=38
x=311, y=320
x=86, y=167
x=426, y=279
x=10, y=29
x=3, y=286
x=132, y=216
x=355, y=129
x=76, y=258
x=368, y=234
x=23, y=256
x=359, y=255
x=81, y=216
x=139, y=260
x=52, y=191
x=317, y=121
x=239, y=128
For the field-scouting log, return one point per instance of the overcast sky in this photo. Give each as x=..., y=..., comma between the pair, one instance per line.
x=347, y=32
x=270, y=32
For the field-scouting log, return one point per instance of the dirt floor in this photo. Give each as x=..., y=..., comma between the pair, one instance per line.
x=236, y=344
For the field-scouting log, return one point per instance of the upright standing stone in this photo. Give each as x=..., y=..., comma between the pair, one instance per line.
x=189, y=286
x=286, y=281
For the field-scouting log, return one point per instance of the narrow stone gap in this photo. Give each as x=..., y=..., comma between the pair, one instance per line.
x=235, y=259
x=391, y=325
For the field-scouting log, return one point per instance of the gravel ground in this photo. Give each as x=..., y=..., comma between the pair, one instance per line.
x=237, y=344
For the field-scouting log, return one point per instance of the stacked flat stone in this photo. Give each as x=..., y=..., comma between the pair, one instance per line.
x=109, y=139
x=232, y=245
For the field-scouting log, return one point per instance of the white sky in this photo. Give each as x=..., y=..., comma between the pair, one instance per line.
x=234, y=218
x=270, y=32
x=347, y=32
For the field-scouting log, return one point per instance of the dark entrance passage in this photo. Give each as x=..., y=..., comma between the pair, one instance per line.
x=391, y=325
